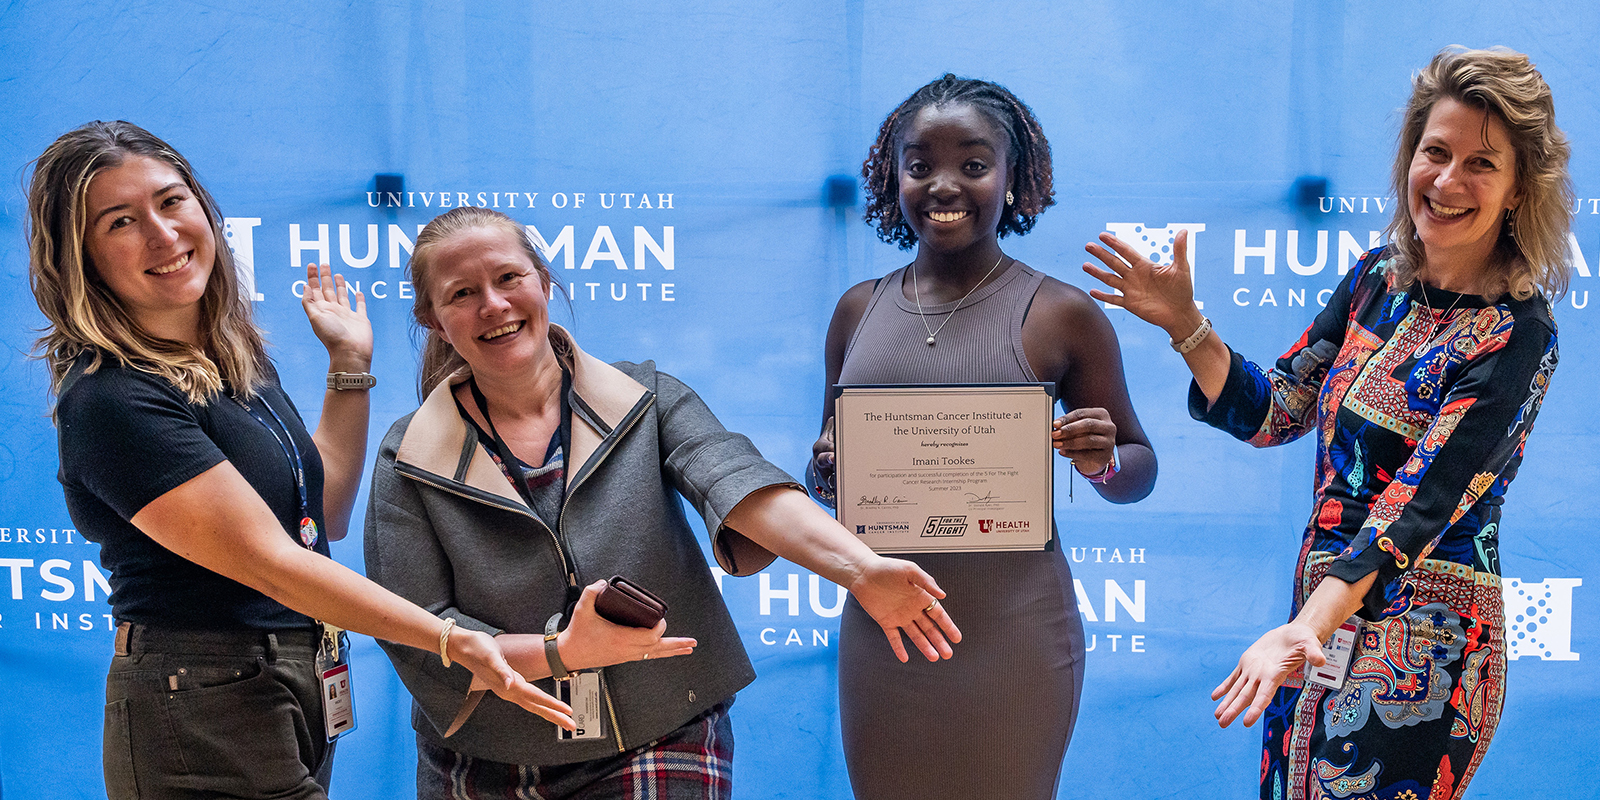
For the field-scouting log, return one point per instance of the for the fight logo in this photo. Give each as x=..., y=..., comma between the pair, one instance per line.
x=945, y=526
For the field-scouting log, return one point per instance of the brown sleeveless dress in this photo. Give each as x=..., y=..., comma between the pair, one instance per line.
x=993, y=721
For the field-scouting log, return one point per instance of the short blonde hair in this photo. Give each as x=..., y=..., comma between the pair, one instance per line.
x=1532, y=251
x=85, y=316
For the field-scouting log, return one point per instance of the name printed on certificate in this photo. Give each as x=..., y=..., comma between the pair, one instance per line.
x=945, y=468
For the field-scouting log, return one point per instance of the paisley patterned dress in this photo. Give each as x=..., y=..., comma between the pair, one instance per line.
x=1421, y=415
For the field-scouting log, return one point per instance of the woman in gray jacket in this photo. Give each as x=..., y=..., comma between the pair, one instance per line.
x=533, y=469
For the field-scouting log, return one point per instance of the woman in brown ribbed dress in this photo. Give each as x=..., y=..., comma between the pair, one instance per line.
x=959, y=164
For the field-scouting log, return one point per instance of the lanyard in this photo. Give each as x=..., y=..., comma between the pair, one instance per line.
x=520, y=480
x=291, y=451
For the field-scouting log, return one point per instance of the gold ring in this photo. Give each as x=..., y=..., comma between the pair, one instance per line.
x=646, y=657
x=931, y=606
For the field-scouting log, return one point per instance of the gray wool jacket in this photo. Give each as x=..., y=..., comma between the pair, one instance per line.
x=447, y=531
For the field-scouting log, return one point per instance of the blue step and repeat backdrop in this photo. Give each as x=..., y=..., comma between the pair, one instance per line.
x=675, y=160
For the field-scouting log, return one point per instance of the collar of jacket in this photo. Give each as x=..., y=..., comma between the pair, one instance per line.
x=603, y=399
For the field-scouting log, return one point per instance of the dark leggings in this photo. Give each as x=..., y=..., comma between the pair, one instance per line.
x=209, y=714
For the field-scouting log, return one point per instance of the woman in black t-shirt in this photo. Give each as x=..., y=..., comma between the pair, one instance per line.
x=184, y=459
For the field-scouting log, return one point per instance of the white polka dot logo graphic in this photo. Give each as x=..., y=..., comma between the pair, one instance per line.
x=1156, y=243
x=1539, y=618
x=240, y=235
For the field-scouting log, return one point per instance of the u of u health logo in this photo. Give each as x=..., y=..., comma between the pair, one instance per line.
x=1003, y=525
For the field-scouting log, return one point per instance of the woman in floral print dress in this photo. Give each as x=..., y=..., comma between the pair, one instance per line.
x=1420, y=378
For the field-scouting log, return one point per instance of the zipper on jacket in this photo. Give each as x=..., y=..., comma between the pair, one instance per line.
x=558, y=532
x=598, y=459
x=611, y=709
x=426, y=477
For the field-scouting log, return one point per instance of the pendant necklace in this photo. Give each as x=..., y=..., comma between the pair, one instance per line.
x=934, y=332
x=1437, y=318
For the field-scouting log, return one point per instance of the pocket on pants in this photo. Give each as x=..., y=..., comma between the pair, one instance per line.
x=241, y=738
x=117, y=754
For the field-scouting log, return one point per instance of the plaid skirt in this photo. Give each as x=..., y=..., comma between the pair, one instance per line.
x=694, y=762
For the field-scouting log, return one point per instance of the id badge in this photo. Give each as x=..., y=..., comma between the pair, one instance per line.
x=338, y=707
x=582, y=692
x=1337, y=650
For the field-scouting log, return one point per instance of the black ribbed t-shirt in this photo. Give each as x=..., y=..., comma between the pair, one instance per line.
x=128, y=437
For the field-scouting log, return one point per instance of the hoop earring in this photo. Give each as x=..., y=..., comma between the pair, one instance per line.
x=1009, y=199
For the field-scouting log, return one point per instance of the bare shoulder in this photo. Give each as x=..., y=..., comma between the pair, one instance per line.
x=1061, y=307
x=853, y=303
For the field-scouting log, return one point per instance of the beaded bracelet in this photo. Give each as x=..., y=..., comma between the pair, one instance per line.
x=1105, y=472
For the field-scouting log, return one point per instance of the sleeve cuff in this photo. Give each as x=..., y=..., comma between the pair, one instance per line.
x=1240, y=407
x=1352, y=570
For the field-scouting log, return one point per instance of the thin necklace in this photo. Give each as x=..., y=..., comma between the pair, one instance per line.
x=1433, y=330
x=934, y=332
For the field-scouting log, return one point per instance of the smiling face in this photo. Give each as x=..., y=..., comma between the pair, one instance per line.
x=953, y=177
x=489, y=301
x=1461, y=182
x=150, y=242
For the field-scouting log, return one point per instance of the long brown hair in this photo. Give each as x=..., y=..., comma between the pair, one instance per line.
x=439, y=359
x=1531, y=253
x=85, y=316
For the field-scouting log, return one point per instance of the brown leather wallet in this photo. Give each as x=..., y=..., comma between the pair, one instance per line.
x=627, y=603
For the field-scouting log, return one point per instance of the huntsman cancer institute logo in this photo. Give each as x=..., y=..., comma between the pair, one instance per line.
x=1539, y=618
x=1156, y=243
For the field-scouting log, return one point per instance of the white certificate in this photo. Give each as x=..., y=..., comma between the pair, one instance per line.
x=945, y=468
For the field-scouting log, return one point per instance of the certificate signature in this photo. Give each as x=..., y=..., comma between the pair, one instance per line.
x=880, y=500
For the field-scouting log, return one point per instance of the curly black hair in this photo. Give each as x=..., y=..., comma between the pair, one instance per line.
x=1029, y=157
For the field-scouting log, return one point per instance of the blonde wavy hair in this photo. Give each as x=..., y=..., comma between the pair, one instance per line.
x=439, y=359
x=1531, y=254
x=85, y=316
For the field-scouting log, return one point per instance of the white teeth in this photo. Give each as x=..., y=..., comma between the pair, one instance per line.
x=173, y=267
x=502, y=331
x=1446, y=211
x=946, y=216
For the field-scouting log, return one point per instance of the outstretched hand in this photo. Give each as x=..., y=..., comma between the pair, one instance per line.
x=343, y=328
x=1262, y=669
x=1162, y=295
x=592, y=641
x=480, y=653
x=903, y=599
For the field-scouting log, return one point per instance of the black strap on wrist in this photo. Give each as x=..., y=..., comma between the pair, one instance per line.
x=552, y=654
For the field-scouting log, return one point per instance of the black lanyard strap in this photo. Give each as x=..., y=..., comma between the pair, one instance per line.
x=291, y=451
x=519, y=478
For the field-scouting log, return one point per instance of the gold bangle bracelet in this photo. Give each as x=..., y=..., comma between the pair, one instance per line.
x=444, y=641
